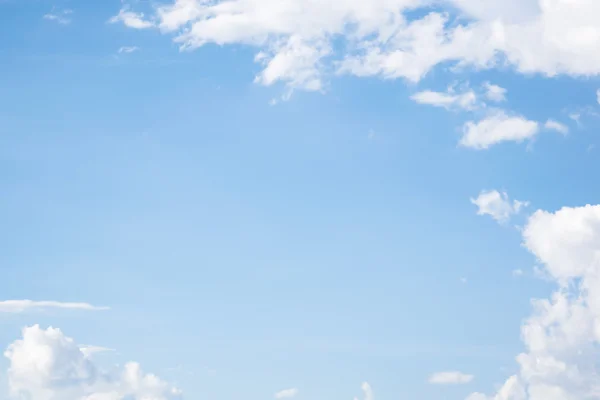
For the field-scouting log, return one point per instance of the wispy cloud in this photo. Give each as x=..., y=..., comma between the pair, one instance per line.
x=18, y=306
x=62, y=17
x=556, y=126
x=450, y=378
x=286, y=393
x=128, y=49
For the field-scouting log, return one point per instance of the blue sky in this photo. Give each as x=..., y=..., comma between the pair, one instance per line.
x=339, y=209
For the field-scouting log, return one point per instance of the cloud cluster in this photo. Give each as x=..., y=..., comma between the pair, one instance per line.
x=47, y=365
x=383, y=38
x=562, y=336
x=496, y=125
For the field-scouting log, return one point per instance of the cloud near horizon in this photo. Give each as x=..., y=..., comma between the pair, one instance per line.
x=47, y=365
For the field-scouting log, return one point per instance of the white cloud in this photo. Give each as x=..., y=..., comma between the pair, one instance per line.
x=447, y=100
x=576, y=117
x=17, y=306
x=367, y=391
x=450, y=378
x=497, y=205
x=286, y=393
x=598, y=96
x=496, y=128
x=494, y=92
x=295, y=62
x=556, y=126
x=378, y=38
x=562, y=335
x=128, y=49
x=47, y=365
x=131, y=19
x=62, y=17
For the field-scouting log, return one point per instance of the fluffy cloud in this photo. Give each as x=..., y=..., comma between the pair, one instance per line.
x=497, y=205
x=46, y=365
x=131, y=19
x=286, y=393
x=556, y=126
x=496, y=128
x=17, y=306
x=380, y=37
x=494, y=92
x=562, y=336
x=447, y=100
x=450, y=378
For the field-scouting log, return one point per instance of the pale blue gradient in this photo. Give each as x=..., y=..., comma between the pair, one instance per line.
x=246, y=248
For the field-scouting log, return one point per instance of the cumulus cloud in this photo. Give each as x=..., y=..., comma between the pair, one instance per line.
x=62, y=17
x=131, y=19
x=47, y=365
x=496, y=128
x=17, y=306
x=447, y=100
x=556, y=126
x=497, y=205
x=562, y=335
x=450, y=378
x=382, y=38
x=494, y=92
x=286, y=393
